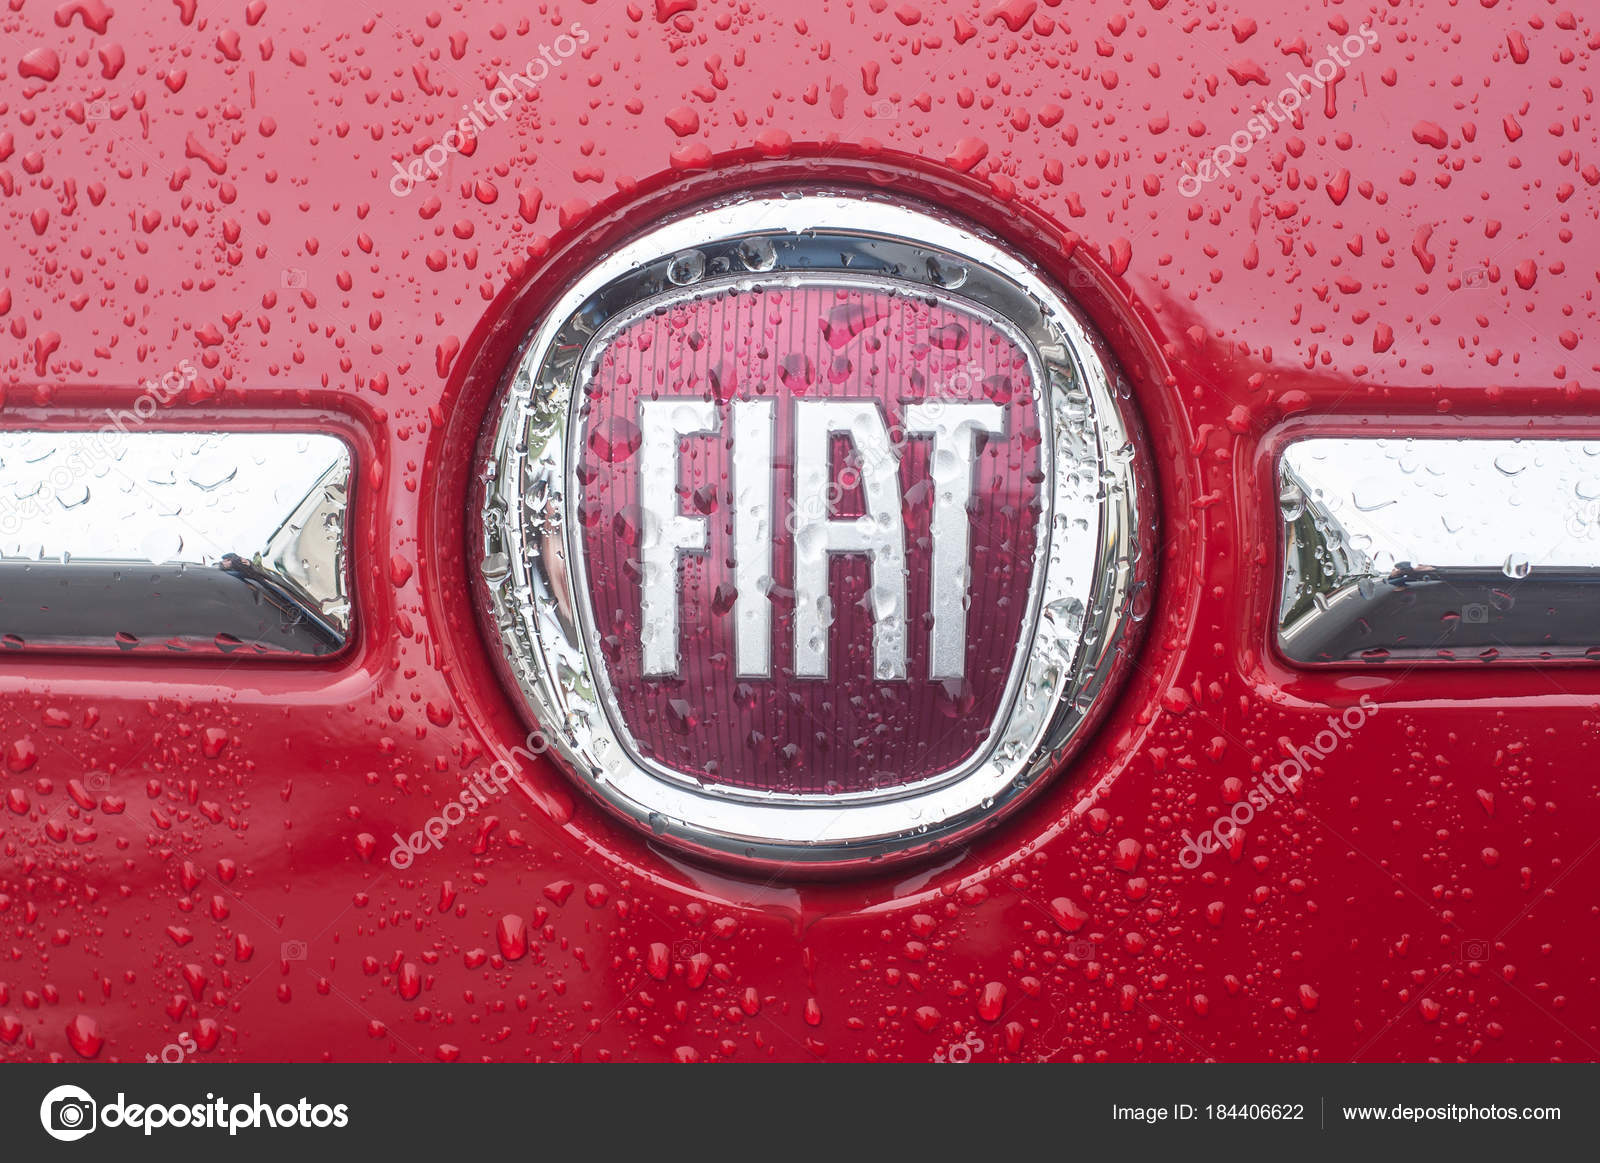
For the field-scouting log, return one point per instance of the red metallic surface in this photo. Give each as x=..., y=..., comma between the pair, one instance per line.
x=782, y=734
x=1414, y=253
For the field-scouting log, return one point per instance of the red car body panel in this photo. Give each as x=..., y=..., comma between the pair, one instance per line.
x=1414, y=256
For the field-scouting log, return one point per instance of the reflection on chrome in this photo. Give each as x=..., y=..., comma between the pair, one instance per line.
x=1439, y=550
x=174, y=542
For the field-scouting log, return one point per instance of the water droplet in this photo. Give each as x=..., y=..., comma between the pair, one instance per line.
x=687, y=268
x=758, y=254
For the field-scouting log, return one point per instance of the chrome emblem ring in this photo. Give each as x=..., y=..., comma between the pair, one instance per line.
x=811, y=530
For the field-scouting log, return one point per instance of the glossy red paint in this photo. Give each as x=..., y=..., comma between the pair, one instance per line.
x=182, y=184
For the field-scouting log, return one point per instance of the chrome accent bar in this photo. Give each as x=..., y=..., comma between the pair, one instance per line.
x=1439, y=550
x=118, y=541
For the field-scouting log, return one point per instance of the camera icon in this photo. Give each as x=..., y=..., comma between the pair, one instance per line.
x=97, y=781
x=294, y=278
x=1081, y=950
x=293, y=951
x=883, y=109
x=1079, y=279
x=67, y=1113
x=97, y=110
x=684, y=949
x=1476, y=277
x=72, y=1114
x=1475, y=950
x=1475, y=612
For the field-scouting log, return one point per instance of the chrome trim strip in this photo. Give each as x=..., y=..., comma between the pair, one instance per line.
x=116, y=541
x=1090, y=592
x=1439, y=551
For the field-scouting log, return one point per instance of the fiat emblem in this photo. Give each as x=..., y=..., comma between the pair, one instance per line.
x=815, y=530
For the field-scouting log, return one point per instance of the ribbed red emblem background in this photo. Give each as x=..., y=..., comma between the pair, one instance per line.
x=848, y=732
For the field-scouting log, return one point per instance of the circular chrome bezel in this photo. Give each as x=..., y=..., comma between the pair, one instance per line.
x=1080, y=623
